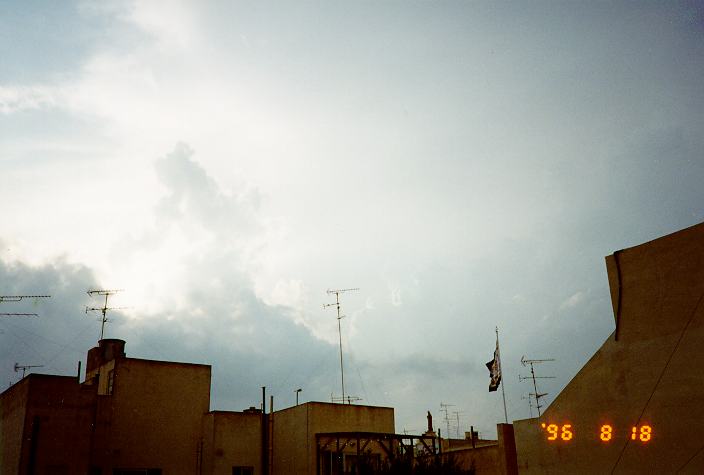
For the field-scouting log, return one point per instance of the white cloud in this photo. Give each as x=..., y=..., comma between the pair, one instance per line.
x=170, y=22
x=20, y=98
x=396, y=296
x=573, y=300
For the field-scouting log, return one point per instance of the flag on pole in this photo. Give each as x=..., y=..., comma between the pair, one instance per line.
x=494, y=367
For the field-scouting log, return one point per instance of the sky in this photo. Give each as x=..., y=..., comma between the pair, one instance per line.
x=465, y=165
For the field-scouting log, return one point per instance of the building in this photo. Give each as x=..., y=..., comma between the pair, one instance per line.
x=484, y=456
x=132, y=416
x=636, y=406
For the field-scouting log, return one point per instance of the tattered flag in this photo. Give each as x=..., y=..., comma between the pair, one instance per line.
x=494, y=367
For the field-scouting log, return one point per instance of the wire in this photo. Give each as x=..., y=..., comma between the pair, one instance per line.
x=662, y=373
x=690, y=459
x=71, y=341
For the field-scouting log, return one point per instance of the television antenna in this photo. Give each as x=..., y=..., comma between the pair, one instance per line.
x=24, y=368
x=443, y=408
x=104, y=309
x=337, y=293
x=18, y=298
x=457, y=415
x=347, y=399
x=529, y=397
x=537, y=395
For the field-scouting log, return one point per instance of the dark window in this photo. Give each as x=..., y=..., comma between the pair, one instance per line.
x=136, y=471
x=56, y=470
x=242, y=470
x=111, y=381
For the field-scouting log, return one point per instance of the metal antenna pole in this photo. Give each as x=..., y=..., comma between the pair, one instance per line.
x=503, y=392
x=339, y=330
x=339, y=334
x=457, y=415
x=535, y=387
x=530, y=405
x=538, y=395
x=24, y=368
x=104, y=309
x=443, y=408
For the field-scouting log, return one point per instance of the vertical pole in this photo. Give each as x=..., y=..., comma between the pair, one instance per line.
x=339, y=332
x=271, y=434
x=105, y=309
x=503, y=393
x=535, y=387
x=78, y=376
x=265, y=439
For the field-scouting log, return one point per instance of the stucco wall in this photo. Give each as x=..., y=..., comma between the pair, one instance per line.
x=295, y=429
x=648, y=372
x=498, y=457
x=231, y=439
x=153, y=419
x=13, y=407
x=54, y=415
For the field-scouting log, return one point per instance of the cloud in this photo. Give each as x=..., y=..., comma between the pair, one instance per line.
x=572, y=301
x=61, y=334
x=396, y=296
x=20, y=98
x=171, y=23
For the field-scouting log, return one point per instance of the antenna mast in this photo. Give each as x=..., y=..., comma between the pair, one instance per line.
x=457, y=414
x=339, y=330
x=17, y=298
x=24, y=368
x=537, y=395
x=443, y=408
x=530, y=403
x=104, y=309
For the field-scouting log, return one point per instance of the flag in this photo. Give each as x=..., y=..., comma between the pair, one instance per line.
x=494, y=367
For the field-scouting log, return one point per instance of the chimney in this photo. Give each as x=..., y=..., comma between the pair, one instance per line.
x=107, y=350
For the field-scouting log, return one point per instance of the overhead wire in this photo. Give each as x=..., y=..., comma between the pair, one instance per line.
x=662, y=373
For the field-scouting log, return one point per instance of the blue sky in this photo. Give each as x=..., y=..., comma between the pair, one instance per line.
x=465, y=164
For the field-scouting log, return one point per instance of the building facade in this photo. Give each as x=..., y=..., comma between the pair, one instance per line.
x=133, y=416
x=636, y=406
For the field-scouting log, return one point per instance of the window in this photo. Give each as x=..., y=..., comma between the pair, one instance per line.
x=136, y=471
x=111, y=381
x=242, y=470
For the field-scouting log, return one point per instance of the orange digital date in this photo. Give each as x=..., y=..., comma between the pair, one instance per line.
x=565, y=432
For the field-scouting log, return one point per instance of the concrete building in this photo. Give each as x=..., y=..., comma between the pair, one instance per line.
x=637, y=405
x=133, y=416
x=484, y=456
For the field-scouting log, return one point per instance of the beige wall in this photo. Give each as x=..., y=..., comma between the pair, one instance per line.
x=13, y=407
x=154, y=417
x=231, y=439
x=483, y=459
x=294, y=431
x=647, y=372
x=498, y=457
x=45, y=423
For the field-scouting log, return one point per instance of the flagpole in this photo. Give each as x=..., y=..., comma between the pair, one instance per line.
x=503, y=393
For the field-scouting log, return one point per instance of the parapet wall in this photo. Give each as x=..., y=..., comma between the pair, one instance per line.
x=636, y=405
